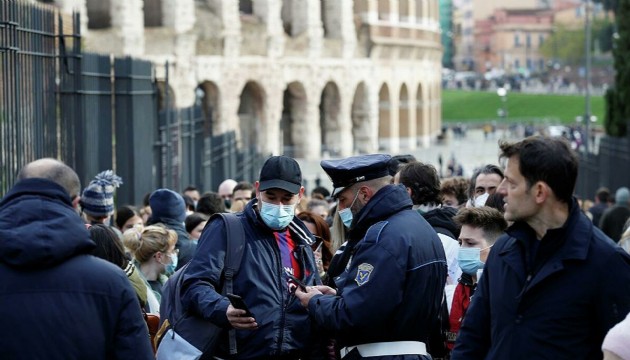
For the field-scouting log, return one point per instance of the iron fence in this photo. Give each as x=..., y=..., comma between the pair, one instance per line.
x=98, y=112
x=28, y=121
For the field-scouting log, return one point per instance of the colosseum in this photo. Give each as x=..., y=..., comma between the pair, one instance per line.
x=308, y=78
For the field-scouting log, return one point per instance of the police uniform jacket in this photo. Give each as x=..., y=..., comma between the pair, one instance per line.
x=558, y=304
x=393, y=285
x=284, y=327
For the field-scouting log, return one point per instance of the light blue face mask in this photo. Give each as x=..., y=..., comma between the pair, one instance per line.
x=170, y=268
x=346, y=214
x=469, y=259
x=277, y=217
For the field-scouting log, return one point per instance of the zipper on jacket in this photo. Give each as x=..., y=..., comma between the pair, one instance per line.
x=276, y=251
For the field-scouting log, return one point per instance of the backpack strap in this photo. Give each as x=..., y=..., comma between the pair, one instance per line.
x=235, y=247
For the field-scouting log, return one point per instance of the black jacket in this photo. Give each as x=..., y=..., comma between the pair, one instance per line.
x=556, y=304
x=56, y=301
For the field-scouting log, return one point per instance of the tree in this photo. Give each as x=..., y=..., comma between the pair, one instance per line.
x=566, y=44
x=618, y=99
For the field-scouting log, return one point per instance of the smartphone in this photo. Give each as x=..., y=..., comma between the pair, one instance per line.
x=297, y=282
x=238, y=303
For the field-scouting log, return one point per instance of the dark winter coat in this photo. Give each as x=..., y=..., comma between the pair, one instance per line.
x=56, y=300
x=393, y=285
x=284, y=327
x=558, y=304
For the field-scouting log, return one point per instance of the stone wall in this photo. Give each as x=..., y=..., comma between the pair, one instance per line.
x=305, y=77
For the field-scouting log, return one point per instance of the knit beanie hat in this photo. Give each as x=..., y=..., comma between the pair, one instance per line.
x=167, y=204
x=98, y=197
x=622, y=196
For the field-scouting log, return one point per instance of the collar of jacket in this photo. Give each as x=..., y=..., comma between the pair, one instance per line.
x=577, y=232
x=386, y=202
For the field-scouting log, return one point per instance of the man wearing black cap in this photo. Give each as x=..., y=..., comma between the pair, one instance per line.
x=390, y=278
x=276, y=258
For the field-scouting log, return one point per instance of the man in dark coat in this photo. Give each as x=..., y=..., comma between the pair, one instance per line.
x=614, y=218
x=56, y=300
x=390, y=278
x=554, y=284
x=276, y=257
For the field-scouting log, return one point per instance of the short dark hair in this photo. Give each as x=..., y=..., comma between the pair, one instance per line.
x=243, y=185
x=322, y=191
x=496, y=201
x=603, y=194
x=490, y=220
x=547, y=159
x=210, y=203
x=193, y=220
x=190, y=203
x=486, y=169
x=424, y=182
x=398, y=161
x=190, y=188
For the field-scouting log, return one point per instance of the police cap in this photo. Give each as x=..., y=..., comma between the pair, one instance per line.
x=349, y=171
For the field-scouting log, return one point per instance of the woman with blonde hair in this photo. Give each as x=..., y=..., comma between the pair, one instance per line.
x=154, y=255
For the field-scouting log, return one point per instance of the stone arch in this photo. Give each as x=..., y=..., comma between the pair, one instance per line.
x=99, y=14
x=329, y=109
x=384, y=118
x=251, y=114
x=208, y=97
x=384, y=9
x=331, y=21
x=404, y=115
x=153, y=13
x=246, y=7
x=419, y=12
x=404, y=11
x=293, y=14
x=293, y=121
x=420, y=125
x=361, y=120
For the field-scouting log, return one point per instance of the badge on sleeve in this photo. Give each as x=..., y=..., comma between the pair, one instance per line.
x=363, y=273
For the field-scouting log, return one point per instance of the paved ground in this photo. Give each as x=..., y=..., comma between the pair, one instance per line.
x=471, y=152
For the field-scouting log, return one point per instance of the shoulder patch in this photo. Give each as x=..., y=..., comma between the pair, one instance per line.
x=363, y=273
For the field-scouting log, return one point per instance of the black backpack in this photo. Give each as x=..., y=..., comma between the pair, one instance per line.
x=196, y=331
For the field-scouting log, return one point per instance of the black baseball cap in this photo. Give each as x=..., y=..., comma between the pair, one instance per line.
x=280, y=172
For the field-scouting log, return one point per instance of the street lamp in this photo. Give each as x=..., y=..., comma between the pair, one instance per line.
x=502, y=112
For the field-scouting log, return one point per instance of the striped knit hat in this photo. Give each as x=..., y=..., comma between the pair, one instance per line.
x=98, y=197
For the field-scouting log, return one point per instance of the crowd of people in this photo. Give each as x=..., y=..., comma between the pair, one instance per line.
x=393, y=262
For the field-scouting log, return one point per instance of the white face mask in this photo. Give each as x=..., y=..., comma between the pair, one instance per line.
x=481, y=200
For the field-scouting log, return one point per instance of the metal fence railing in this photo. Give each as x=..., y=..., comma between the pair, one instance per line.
x=28, y=121
x=97, y=112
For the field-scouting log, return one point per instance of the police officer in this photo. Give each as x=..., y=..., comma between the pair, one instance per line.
x=391, y=274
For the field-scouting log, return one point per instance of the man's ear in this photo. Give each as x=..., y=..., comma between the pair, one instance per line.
x=541, y=192
x=76, y=201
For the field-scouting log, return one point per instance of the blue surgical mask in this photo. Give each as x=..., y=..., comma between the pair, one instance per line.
x=346, y=214
x=170, y=268
x=277, y=217
x=469, y=260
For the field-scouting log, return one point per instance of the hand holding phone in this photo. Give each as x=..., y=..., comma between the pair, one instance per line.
x=297, y=282
x=238, y=303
